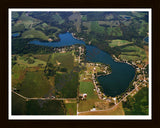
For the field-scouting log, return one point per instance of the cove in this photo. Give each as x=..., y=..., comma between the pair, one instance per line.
x=146, y=39
x=15, y=34
x=113, y=84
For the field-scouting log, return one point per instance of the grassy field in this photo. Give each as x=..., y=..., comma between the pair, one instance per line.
x=87, y=87
x=32, y=33
x=95, y=27
x=117, y=42
x=65, y=60
x=118, y=110
x=110, y=23
x=43, y=57
x=37, y=107
x=71, y=109
x=76, y=17
x=58, y=18
x=35, y=84
x=18, y=105
x=23, y=61
x=50, y=31
x=133, y=53
x=24, y=22
x=18, y=74
x=67, y=84
x=138, y=104
x=88, y=25
x=114, y=31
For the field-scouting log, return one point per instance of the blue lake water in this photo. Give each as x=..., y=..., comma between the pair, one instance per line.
x=115, y=83
x=127, y=17
x=15, y=34
x=146, y=39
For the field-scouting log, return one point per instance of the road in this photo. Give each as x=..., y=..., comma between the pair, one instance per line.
x=36, y=98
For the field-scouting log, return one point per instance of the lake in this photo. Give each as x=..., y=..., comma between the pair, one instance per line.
x=146, y=39
x=15, y=34
x=115, y=83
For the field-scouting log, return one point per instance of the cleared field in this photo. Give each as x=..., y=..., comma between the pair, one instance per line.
x=49, y=31
x=34, y=84
x=43, y=57
x=25, y=22
x=65, y=60
x=40, y=107
x=118, y=110
x=18, y=105
x=36, y=107
x=89, y=103
x=110, y=23
x=76, y=17
x=95, y=27
x=18, y=74
x=24, y=61
x=67, y=84
x=58, y=18
x=116, y=43
x=136, y=53
x=88, y=25
x=32, y=33
x=114, y=31
x=71, y=109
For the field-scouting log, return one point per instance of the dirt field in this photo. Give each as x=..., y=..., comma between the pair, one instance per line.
x=118, y=110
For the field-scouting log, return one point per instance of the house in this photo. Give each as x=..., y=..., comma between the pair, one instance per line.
x=83, y=96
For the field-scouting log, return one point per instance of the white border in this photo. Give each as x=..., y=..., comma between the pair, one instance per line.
x=76, y=117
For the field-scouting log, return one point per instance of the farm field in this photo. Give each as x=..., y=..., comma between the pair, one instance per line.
x=67, y=84
x=133, y=53
x=18, y=105
x=34, y=85
x=95, y=27
x=65, y=60
x=25, y=61
x=32, y=33
x=71, y=108
x=89, y=103
x=118, y=110
x=36, y=107
x=115, y=43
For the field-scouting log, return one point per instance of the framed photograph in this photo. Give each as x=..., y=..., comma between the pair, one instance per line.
x=81, y=64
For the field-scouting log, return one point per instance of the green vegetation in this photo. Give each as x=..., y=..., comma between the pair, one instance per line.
x=67, y=84
x=32, y=33
x=18, y=73
x=117, y=42
x=133, y=53
x=84, y=18
x=63, y=60
x=41, y=107
x=29, y=61
x=18, y=105
x=138, y=104
x=37, y=107
x=87, y=87
x=96, y=28
x=39, y=72
x=71, y=109
x=34, y=85
x=114, y=31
